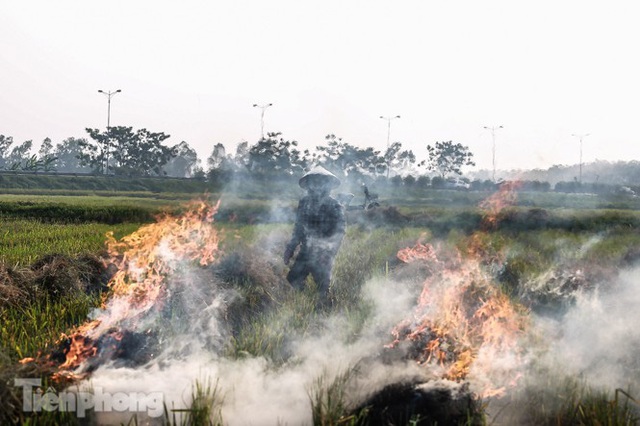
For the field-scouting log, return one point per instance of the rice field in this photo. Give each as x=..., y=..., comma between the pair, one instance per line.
x=566, y=242
x=23, y=241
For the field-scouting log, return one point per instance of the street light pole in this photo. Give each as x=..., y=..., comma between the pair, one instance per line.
x=109, y=94
x=389, y=126
x=493, y=147
x=388, y=137
x=263, y=108
x=580, y=137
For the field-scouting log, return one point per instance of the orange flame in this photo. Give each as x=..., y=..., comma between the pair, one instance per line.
x=493, y=205
x=144, y=259
x=462, y=321
x=81, y=347
x=459, y=313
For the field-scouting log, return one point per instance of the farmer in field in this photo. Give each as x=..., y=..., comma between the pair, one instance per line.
x=319, y=229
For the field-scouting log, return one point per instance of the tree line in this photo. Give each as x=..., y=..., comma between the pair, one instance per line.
x=123, y=151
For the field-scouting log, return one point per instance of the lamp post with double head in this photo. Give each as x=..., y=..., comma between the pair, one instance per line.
x=109, y=94
x=389, y=119
x=493, y=147
x=262, y=108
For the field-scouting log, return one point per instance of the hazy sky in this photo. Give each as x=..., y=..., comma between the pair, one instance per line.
x=193, y=69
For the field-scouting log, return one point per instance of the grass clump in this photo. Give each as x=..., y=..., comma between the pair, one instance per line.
x=204, y=410
x=329, y=401
x=269, y=332
x=37, y=305
x=29, y=329
x=563, y=400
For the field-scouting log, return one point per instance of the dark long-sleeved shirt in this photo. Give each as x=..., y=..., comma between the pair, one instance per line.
x=319, y=221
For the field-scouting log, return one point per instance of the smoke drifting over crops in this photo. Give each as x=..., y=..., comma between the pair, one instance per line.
x=254, y=391
x=438, y=320
x=597, y=338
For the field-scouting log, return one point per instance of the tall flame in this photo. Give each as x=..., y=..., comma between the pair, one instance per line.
x=144, y=259
x=463, y=321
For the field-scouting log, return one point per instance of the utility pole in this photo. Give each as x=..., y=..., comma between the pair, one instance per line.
x=109, y=94
x=389, y=119
x=580, y=137
x=263, y=108
x=493, y=147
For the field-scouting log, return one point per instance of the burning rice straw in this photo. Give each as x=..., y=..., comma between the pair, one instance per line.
x=462, y=323
x=144, y=259
x=494, y=204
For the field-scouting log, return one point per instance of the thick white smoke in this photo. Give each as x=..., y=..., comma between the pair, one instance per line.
x=598, y=338
x=252, y=390
x=589, y=346
x=595, y=339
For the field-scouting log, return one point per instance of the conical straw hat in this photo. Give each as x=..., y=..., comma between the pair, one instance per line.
x=322, y=175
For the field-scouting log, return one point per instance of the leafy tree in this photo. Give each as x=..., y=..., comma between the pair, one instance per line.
x=396, y=181
x=96, y=154
x=337, y=156
x=48, y=163
x=218, y=158
x=241, y=158
x=274, y=154
x=374, y=162
x=423, y=181
x=67, y=153
x=310, y=158
x=45, y=159
x=46, y=149
x=348, y=160
x=122, y=151
x=222, y=166
x=35, y=164
x=19, y=155
x=333, y=155
x=198, y=172
x=446, y=158
x=396, y=159
x=409, y=180
x=437, y=182
x=184, y=163
x=29, y=164
x=483, y=185
x=5, y=144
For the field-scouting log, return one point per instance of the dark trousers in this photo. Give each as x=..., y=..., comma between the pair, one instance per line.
x=319, y=265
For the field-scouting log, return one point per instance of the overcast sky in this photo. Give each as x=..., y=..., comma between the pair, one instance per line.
x=193, y=69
